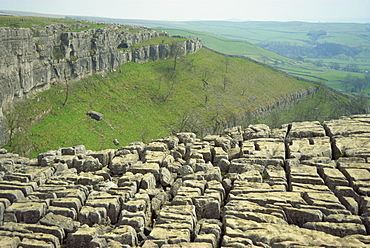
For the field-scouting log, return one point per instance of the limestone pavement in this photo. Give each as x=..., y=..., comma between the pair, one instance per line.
x=304, y=184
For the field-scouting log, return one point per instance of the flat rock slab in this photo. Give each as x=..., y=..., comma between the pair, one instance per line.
x=26, y=212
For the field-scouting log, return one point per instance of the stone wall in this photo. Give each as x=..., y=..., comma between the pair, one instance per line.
x=304, y=184
x=33, y=59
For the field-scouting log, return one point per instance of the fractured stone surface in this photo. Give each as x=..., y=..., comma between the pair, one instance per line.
x=304, y=184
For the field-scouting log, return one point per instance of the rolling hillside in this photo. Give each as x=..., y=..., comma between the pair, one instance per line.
x=203, y=93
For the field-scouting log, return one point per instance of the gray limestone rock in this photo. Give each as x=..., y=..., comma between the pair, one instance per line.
x=338, y=229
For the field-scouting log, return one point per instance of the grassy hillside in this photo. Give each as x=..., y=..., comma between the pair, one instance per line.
x=205, y=93
x=143, y=101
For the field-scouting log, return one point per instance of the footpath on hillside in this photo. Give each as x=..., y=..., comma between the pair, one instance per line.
x=304, y=184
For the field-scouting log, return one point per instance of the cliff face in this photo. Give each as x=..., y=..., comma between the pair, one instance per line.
x=33, y=59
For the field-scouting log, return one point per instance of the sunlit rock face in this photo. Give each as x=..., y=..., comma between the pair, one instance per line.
x=304, y=184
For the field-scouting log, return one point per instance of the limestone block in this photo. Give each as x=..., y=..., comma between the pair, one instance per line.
x=341, y=191
x=72, y=192
x=196, y=184
x=299, y=216
x=354, y=175
x=109, y=202
x=306, y=129
x=67, y=202
x=245, y=187
x=174, y=167
x=171, y=141
x=68, y=224
x=67, y=151
x=228, y=241
x=182, y=200
x=12, y=195
x=251, y=176
x=49, y=154
x=10, y=242
x=350, y=203
x=105, y=157
x=22, y=179
x=264, y=148
x=82, y=237
x=213, y=210
x=27, y=212
x=67, y=212
x=213, y=174
x=86, y=178
x=148, y=181
x=130, y=178
x=105, y=186
x=154, y=157
x=160, y=233
x=87, y=164
x=31, y=243
x=337, y=229
x=35, y=228
x=93, y=215
x=166, y=178
x=353, y=146
x=243, y=164
x=102, y=242
x=293, y=198
x=342, y=218
x=207, y=238
x=188, y=192
x=327, y=200
x=256, y=131
x=26, y=188
x=185, y=170
x=137, y=220
x=202, y=166
x=160, y=198
x=306, y=185
x=120, y=164
x=145, y=168
x=149, y=244
x=186, y=137
x=125, y=235
x=175, y=187
x=156, y=146
x=135, y=205
x=218, y=154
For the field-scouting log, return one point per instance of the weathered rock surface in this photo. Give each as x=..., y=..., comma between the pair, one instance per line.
x=289, y=190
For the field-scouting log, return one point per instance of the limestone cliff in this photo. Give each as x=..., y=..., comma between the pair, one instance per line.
x=32, y=59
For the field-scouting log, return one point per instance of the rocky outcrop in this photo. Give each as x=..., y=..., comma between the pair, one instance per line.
x=304, y=184
x=31, y=59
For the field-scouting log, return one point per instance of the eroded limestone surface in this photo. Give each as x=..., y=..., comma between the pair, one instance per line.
x=304, y=184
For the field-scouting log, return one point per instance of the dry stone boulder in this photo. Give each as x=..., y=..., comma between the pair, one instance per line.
x=68, y=224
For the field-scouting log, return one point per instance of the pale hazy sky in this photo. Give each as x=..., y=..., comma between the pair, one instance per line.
x=255, y=10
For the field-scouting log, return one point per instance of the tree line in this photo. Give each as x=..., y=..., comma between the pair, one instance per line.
x=355, y=84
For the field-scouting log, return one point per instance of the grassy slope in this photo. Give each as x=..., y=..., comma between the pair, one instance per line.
x=151, y=100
